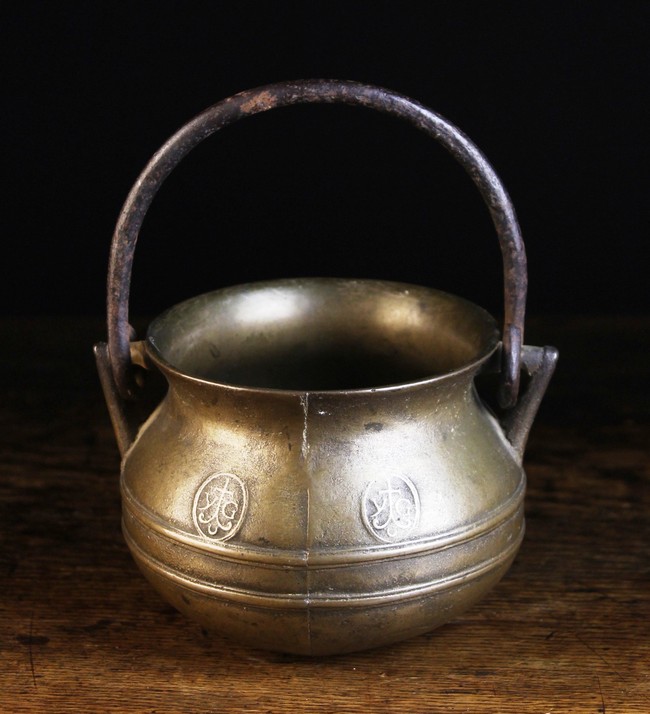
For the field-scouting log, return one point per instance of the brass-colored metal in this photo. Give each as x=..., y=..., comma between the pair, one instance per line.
x=321, y=475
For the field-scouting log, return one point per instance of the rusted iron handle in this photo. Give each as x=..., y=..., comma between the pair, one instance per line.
x=325, y=92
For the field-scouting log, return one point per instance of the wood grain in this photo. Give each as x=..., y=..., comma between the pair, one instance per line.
x=567, y=630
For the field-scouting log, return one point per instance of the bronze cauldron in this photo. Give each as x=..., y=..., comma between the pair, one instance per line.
x=321, y=476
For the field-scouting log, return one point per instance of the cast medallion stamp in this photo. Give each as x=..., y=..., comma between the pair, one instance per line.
x=391, y=508
x=219, y=506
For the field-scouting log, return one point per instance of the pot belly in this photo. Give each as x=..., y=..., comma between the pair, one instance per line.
x=325, y=603
x=312, y=529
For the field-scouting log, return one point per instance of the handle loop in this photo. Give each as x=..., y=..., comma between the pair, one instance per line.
x=285, y=94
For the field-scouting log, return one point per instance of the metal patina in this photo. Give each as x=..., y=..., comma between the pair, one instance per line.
x=321, y=476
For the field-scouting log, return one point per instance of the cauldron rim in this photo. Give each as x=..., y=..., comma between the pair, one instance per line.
x=179, y=323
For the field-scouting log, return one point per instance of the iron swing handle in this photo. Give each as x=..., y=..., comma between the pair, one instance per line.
x=303, y=92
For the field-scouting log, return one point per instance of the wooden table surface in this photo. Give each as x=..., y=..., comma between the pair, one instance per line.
x=567, y=630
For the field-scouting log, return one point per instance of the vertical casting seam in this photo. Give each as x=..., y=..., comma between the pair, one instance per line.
x=304, y=451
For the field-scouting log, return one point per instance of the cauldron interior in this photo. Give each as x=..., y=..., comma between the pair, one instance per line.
x=318, y=334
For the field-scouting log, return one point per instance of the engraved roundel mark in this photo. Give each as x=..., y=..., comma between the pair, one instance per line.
x=391, y=508
x=219, y=506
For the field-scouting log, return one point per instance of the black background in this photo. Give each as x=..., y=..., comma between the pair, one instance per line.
x=554, y=93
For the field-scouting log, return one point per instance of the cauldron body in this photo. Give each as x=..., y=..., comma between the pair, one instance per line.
x=319, y=514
